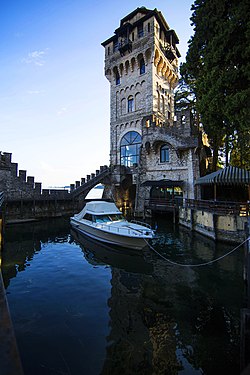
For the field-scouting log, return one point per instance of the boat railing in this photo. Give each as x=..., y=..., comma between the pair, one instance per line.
x=141, y=223
x=124, y=229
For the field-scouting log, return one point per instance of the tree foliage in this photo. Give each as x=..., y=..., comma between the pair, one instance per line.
x=218, y=68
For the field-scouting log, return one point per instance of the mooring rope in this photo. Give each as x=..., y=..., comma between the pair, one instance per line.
x=199, y=264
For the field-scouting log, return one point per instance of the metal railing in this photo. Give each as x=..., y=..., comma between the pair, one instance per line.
x=141, y=223
x=218, y=207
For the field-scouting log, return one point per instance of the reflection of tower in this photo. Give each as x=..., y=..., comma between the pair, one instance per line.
x=141, y=339
x=146, y=143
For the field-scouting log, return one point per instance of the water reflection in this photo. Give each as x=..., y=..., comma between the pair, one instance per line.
x=97, y=253
x=122, y=312
x=22, y=241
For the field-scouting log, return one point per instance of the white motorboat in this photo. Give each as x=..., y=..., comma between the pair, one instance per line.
x=104, y=222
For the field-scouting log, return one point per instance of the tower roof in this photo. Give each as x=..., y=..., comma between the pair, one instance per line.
x=145, y=15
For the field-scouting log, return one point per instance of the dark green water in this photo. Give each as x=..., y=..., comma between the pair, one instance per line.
x=81, y=308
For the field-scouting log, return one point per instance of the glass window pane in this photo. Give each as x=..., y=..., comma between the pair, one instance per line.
x=123, y=151
x=164, y=154
x=142, y=66
x=130, y=104
x=130, y=148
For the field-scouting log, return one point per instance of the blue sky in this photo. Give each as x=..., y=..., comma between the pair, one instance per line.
x=54, y=98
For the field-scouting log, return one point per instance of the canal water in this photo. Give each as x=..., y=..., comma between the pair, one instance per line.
x=81, y=308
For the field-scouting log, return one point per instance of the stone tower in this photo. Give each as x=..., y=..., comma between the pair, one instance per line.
x=150, y=151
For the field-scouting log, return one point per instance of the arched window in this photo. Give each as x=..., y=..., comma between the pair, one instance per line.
x=140, y=30
x=126, y=67
x=130, y=149
x=162, y=104
x=142, y=66
x=117, y=78
x=164, y=154
x=158, y=101
x=130, y=104
x=138, y=104
x=115, y=46
x=123, y=106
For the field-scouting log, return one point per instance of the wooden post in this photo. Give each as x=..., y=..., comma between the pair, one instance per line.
x=1, y=237
x=2, y=213
x=245, y=312
x=215, y=192
x=248, y=261
x=9, y=354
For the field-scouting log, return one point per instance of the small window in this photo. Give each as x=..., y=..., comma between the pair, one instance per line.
x=117, y=79
x=148, y=27
x=133, y=37
x=140, y=31
x=164, y=154
x=123, y=106
x=162, y=104
x=158, y=101
x=115, y=46
x=130, y=104
x=142, y=66
x=108, y=50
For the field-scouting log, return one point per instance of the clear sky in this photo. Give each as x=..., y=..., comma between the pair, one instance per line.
x=54, y=98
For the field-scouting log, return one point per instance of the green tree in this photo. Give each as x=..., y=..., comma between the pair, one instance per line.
x=217, y=64
x=184, y=96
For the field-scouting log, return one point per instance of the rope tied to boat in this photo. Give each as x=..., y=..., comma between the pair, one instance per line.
x=198, y=264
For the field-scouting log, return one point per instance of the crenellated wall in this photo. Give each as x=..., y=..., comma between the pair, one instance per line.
x=17, y=185
x=26, y=200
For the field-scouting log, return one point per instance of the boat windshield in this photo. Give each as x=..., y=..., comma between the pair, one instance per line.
x=107, y=218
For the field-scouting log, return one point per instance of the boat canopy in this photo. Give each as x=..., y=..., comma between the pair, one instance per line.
x=98, y=208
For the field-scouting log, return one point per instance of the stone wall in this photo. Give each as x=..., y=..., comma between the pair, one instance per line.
x=25, y=210
x=230, y=228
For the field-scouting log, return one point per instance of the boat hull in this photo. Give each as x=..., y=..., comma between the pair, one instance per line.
x=120, y=240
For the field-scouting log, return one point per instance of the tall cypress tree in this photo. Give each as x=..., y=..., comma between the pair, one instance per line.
x=217, y=63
